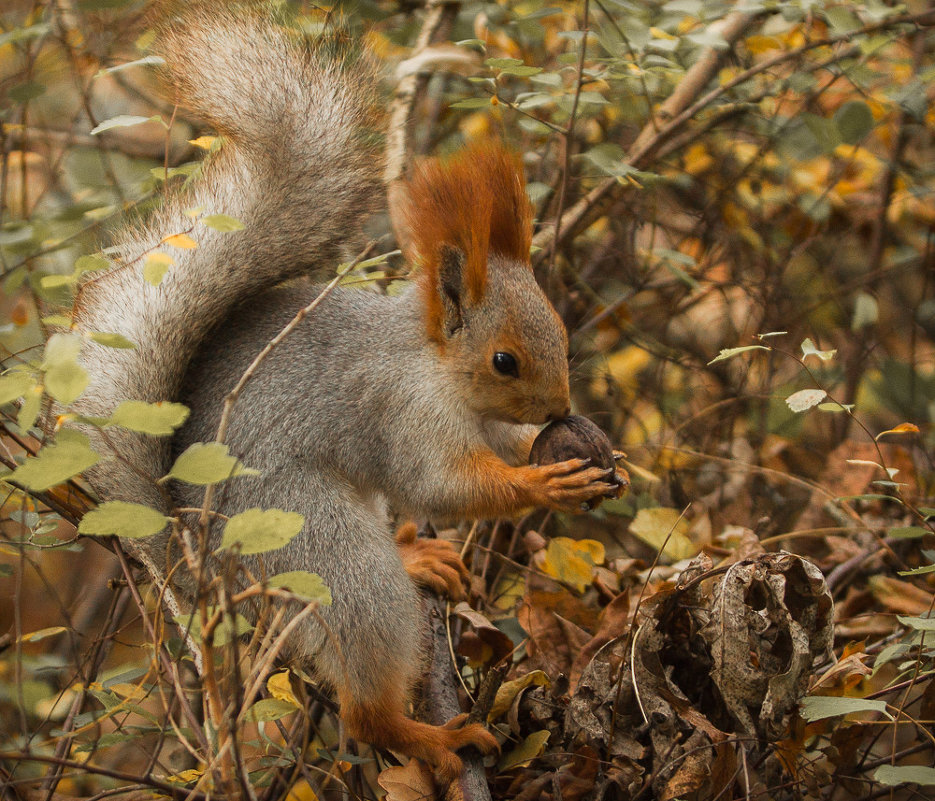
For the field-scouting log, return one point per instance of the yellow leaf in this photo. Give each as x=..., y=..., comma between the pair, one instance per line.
x=181, y=241
x=902, y=428
x=572, y=561
x=510, y=689
x=280, y=688
x=623, y=367
x=155, y=266
x=653, y=526
x=131, y=692
x=658, y=33
x=204, y=142
x=762, y=44
x=697, y=159
x=186, y=776
x=526, y=751
x=301, y=791
x=41, y=634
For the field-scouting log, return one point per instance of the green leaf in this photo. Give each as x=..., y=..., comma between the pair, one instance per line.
x=919, y=571
x=158, y=419
x=122, y=121
x=56, y=463
x=29, y=411
x=156, y=266
x=522, y=71
x=222, y=223
x=268, y=709
x=65, y=379
x=503, y=63
x=918, y=623
x=727, y=353
x=479, y=43
x=15, y=385
x=472, y=102
x=854, y=120
x=907, y=532
x=816, y=707
x=56, y=281
x=207, y=463
x=22, y=34
x=118, y=341
x=120, y=519
x=904, y=774
x=309, y=585
x=834, y=406
x=224, y=632
x=823, y=131
x=866, y=311
x=809, y=349
x=57, y=320
x=261, y=530
x=92, y=263
x=841, y=19
x=593, y=98
x=140, y=62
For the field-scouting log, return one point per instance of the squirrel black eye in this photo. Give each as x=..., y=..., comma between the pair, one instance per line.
x=505, y=363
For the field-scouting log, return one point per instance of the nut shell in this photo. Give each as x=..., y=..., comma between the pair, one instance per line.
x=576, y=437
x=573, y=437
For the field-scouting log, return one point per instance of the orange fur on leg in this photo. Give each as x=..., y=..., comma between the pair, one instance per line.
x=383, y=724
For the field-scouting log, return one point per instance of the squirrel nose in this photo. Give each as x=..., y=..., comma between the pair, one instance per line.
x=552, y=417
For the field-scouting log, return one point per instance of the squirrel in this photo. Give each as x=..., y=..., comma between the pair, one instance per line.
x=425, y=403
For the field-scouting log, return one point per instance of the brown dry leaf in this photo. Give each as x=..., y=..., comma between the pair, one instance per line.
x=899, y=596
x=556, y=623
x=843, y=675
x=576, y=779
x=613, y=623
x=411, y=782
x=763, y=655
x=849, y=470
x=498, y=645
x=693, y=771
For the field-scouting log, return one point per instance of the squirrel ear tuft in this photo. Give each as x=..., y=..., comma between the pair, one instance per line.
x=474, y=202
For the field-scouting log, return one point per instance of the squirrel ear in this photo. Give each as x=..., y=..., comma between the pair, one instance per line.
x=451, y=288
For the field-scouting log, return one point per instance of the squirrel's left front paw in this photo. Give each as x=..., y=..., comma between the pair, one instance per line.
x=433, y=564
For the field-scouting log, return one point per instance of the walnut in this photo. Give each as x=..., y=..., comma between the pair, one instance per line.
x=576, y=437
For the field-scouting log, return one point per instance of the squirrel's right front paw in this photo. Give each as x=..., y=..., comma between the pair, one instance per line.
x=434, y=564
x=568, y=486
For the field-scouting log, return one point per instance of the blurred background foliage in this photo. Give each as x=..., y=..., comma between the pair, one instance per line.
x=703, y=173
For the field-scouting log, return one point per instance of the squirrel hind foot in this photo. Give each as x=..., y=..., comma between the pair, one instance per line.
x=383, y=725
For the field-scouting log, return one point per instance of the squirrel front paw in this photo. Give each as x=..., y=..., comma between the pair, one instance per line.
x=433, y=564
x=568, y=486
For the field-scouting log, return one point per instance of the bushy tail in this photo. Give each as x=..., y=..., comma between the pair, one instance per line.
x=295, y=169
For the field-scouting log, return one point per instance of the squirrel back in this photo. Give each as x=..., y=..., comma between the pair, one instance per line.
x=295, y=168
